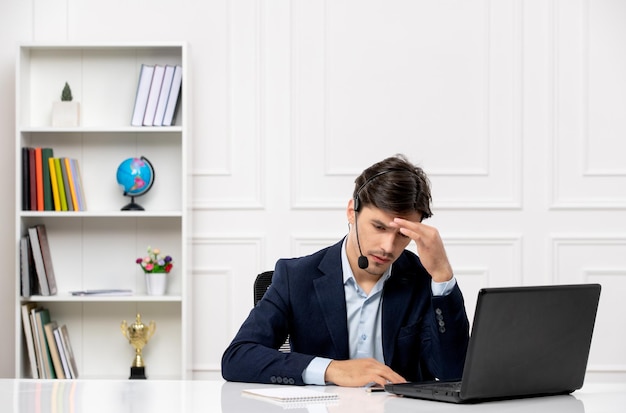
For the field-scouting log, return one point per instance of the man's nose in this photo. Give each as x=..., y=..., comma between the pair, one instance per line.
x=387, y=242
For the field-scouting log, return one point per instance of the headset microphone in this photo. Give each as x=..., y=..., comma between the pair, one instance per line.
x=363, y=262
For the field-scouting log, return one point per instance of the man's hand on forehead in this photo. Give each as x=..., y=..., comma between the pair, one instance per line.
x=430, y=248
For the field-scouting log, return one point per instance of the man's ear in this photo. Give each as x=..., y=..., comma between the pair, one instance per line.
x=350, y=211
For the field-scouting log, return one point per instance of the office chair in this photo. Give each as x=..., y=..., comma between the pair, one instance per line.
x=261, y=284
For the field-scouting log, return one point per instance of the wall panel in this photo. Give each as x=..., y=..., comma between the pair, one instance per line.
x=597, y=259
x=424, y=104
x=589, y=100
x=224, y=269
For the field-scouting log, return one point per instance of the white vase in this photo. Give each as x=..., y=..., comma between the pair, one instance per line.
x=65, y=114
x=156, y=283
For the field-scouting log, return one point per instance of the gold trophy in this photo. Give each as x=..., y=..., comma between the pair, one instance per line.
x=138, y=335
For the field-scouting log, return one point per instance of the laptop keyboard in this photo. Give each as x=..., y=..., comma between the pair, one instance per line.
x=443, y=386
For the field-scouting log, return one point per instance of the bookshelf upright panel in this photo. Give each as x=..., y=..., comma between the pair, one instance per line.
x=96, y=248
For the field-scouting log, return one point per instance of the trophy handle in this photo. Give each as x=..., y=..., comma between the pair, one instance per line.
x=124, y=328
x=151, y=330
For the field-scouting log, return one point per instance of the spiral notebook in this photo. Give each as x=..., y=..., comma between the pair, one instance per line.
x=291, y=394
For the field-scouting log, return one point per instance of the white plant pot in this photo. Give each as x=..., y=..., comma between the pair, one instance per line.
x=65, y=114
x=156, y=283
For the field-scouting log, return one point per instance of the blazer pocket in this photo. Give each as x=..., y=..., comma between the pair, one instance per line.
x=409, y=331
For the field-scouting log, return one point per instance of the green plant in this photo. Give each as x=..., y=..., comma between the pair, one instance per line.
x=66, y=94
x=155, y=262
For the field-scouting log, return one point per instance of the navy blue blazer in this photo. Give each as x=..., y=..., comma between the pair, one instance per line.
x=424, y=337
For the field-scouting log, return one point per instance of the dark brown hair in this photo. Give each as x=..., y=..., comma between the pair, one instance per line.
x=394, y=185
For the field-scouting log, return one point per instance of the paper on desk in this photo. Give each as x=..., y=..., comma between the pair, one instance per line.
x=291, y=394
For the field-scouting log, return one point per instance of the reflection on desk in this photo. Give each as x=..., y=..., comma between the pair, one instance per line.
x=359, y=401
x=155, y=396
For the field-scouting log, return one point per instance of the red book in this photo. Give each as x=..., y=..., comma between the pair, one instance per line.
x=39, y=174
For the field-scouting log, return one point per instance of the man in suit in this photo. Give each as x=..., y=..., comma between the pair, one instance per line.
x=365, y=310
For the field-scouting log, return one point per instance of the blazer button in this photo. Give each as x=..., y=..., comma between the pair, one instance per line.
x=273, y=379
x=279, y=380
x=438, y=311
x=442, y=329
x=292, y=381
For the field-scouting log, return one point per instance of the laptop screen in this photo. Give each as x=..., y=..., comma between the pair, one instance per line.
x=530, y=340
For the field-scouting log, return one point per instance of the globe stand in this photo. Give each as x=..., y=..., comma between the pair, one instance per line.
x=132, y=206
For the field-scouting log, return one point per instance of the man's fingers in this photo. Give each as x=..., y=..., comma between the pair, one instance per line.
x=359, y=372
x=429, y=248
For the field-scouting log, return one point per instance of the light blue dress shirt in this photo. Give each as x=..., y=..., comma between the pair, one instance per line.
x=364, y=320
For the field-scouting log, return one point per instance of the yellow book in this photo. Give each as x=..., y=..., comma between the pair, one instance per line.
x=60, y=186
x=55, y=185
x=72, y=183
x=54, y=349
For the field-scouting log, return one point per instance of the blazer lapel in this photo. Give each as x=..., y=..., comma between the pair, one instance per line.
x=330, y=294
x=396, y=298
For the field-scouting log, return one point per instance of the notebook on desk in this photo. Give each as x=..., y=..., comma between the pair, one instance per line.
x=525, y=341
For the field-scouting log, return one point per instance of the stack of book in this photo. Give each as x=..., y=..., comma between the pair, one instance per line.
x=49, y=183
x=158, y=95
x=36, y=269
x=48, y=344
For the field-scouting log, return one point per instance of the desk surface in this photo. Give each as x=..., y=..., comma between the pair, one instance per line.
x=121, y=396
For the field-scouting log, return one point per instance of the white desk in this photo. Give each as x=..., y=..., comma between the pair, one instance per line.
x=121, y=396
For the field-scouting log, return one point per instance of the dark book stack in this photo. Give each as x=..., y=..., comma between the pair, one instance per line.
x=36, y=269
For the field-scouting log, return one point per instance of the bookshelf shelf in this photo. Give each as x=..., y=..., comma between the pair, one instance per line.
x=101, y=214
x=103, y=129
x=96, y=248
x=68, y=298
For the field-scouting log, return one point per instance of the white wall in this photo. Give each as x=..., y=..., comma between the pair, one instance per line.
x=515, y=108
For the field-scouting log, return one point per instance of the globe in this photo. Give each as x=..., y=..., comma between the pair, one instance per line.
x=135, y=176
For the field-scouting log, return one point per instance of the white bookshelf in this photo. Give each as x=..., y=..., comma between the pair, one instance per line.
x=97, y=248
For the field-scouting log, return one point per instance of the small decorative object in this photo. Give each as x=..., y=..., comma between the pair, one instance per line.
x=155, y=267
x=66, y=113
x=138, y=335
x=135, y=176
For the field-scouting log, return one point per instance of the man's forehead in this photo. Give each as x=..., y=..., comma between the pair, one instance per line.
x=386, y=216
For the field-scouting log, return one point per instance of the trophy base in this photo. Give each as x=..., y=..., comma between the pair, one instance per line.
x=137, y=373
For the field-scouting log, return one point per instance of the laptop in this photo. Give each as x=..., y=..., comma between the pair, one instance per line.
x=525, y=342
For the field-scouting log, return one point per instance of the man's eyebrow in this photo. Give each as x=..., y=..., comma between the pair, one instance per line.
x=380, y=223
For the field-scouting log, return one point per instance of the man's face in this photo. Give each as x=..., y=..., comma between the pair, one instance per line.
x=380, y=239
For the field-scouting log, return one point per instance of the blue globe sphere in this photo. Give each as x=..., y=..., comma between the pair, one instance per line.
x=135, y=176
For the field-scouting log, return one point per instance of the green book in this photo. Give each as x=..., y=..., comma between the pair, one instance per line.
x=43, y=318
x=61, y=186
x=48, y=204
x=66, y=185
